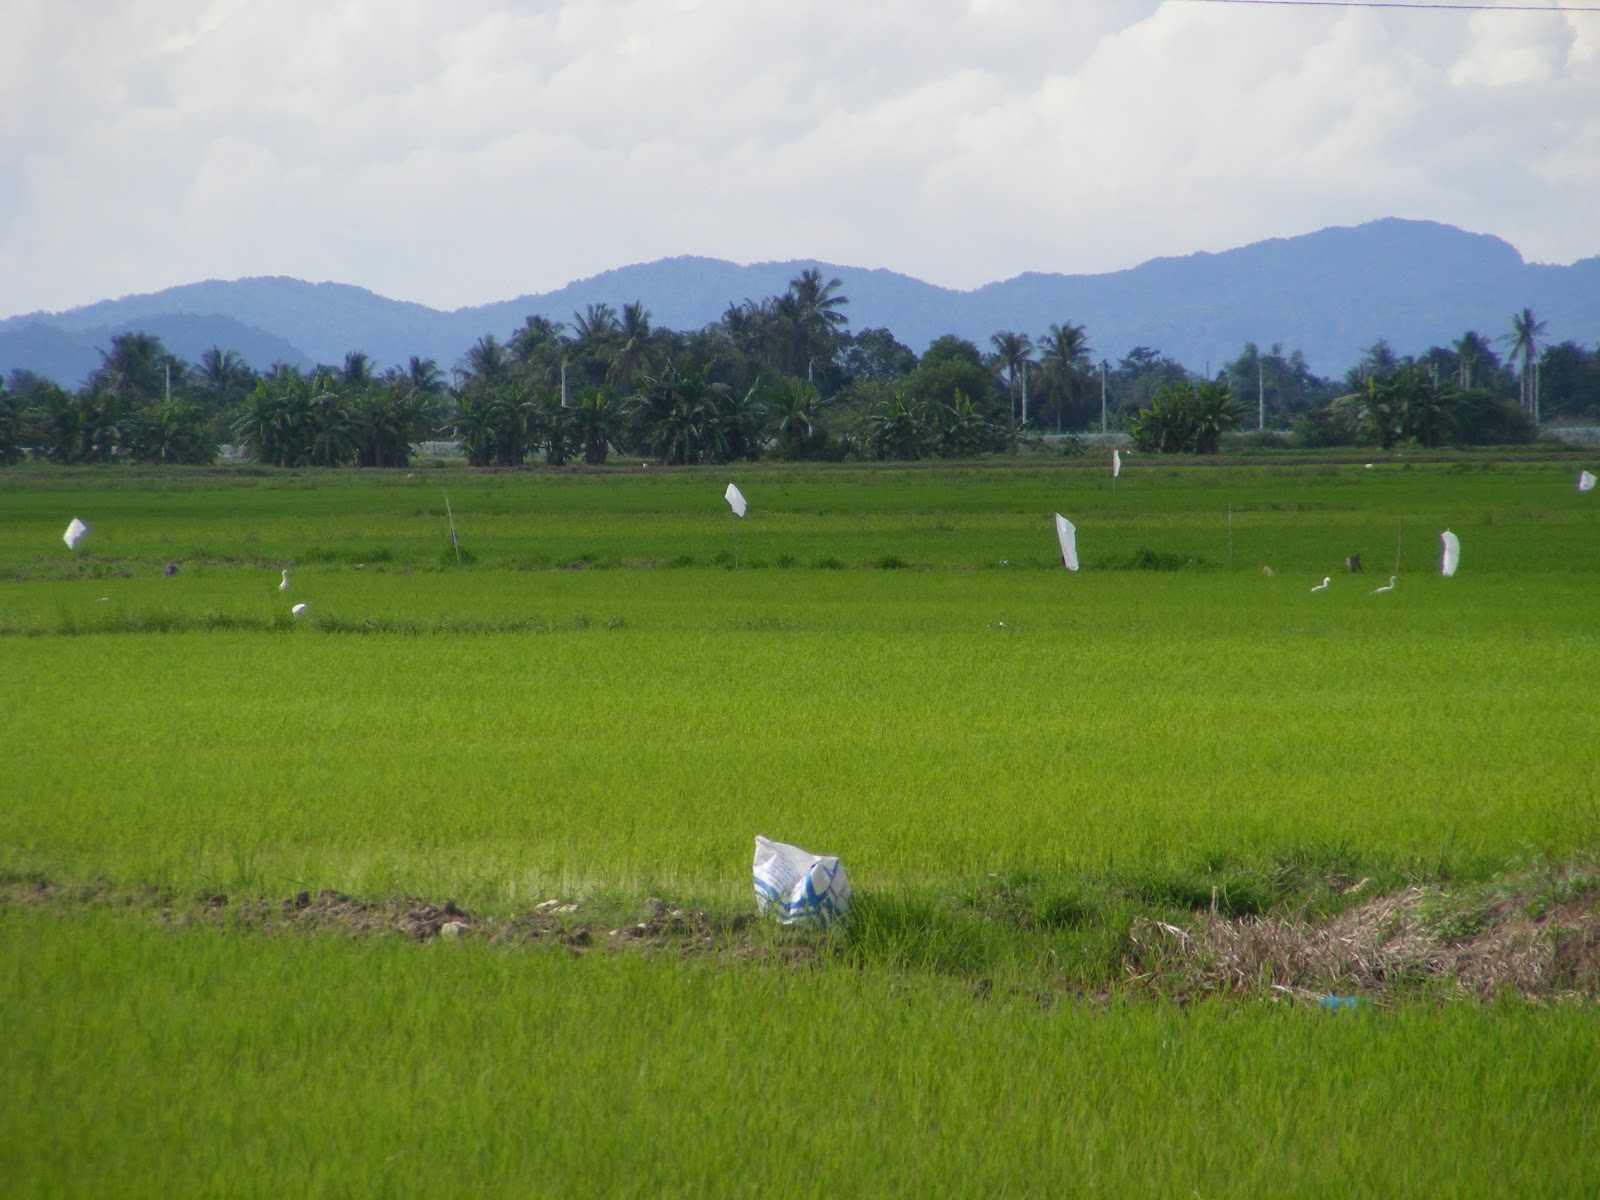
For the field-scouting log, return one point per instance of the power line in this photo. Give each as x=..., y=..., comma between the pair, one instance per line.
x=1539, y=8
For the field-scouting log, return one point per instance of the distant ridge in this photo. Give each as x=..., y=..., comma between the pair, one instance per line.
x=1329, y=294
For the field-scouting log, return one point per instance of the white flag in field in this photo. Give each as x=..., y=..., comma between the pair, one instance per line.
x=1452, y=553
x=735, y=499
x=1067, y=535
x=1116, y=463
x=74, y=533
x=1585, y=481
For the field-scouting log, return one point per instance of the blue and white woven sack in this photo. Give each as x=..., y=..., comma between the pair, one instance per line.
x=797, y=886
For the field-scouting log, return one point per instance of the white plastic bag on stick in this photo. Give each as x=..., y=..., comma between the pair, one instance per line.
x=74, y=534
x=1067, y=539
x=1451, y=557
x=797, y=886
x=1585, y=481
x=735, y=499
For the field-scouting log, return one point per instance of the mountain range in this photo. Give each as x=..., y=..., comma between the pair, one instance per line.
x=1328, y=294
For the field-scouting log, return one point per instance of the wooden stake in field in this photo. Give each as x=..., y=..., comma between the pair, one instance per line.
x=452, y=517
x=1399, y=539
x=736, y=503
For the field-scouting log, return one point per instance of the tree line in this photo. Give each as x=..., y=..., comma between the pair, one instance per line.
x=780, y=377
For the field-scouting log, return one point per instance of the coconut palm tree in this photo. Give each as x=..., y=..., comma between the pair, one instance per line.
x=356, y=373
x=487, y=361
x=636, y=354
x=61, y=427
x=536, y=335
x=1523, y=339
x=14, y=422
x=424, y=378
x=222, y=378
x=594, y=323
x=594, y=425
x=683, y=417
x=135, y=368
x=1064, y=353
x=1013, y=352
x=1473, y=355
x=812, y=309
x=742, y=325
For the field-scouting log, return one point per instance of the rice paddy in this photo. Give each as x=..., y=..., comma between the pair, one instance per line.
x=618, y=687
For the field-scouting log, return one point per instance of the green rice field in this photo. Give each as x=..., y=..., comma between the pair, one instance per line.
x=616, y=686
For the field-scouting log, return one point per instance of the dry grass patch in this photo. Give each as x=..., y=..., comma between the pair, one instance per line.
x=1536, y=935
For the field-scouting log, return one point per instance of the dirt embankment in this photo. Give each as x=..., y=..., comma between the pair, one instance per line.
x=1537, y=937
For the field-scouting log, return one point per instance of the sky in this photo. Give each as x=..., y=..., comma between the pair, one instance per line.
x=462, y=153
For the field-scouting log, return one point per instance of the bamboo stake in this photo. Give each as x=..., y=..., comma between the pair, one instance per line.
x=453, y=540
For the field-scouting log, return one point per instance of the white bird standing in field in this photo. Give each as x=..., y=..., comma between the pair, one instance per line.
x=1388, y=587
x=284, y=585
x=298, y=609
x=1323, y=586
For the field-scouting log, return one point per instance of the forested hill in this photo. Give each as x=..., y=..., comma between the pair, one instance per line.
x=1329, y=294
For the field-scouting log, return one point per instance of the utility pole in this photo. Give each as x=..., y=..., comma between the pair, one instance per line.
x=1102, y=397
x=1261, y=397
x=1024, y=392
x=563, y=383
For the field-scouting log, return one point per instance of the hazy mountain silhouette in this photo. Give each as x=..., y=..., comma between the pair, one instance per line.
x=1328, y=294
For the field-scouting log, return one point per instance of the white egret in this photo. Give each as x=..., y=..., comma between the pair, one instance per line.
x=283, y=586
x=74, y=534
x=298, y=609
x=1323, y=586
x=1388, y=587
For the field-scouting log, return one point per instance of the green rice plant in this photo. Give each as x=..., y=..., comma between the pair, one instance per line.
x=146, y=1058
x=907, y=717
x=1029, y=774
x=1293, y=518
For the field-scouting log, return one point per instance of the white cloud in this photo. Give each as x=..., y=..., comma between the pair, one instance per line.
x=463, y=153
